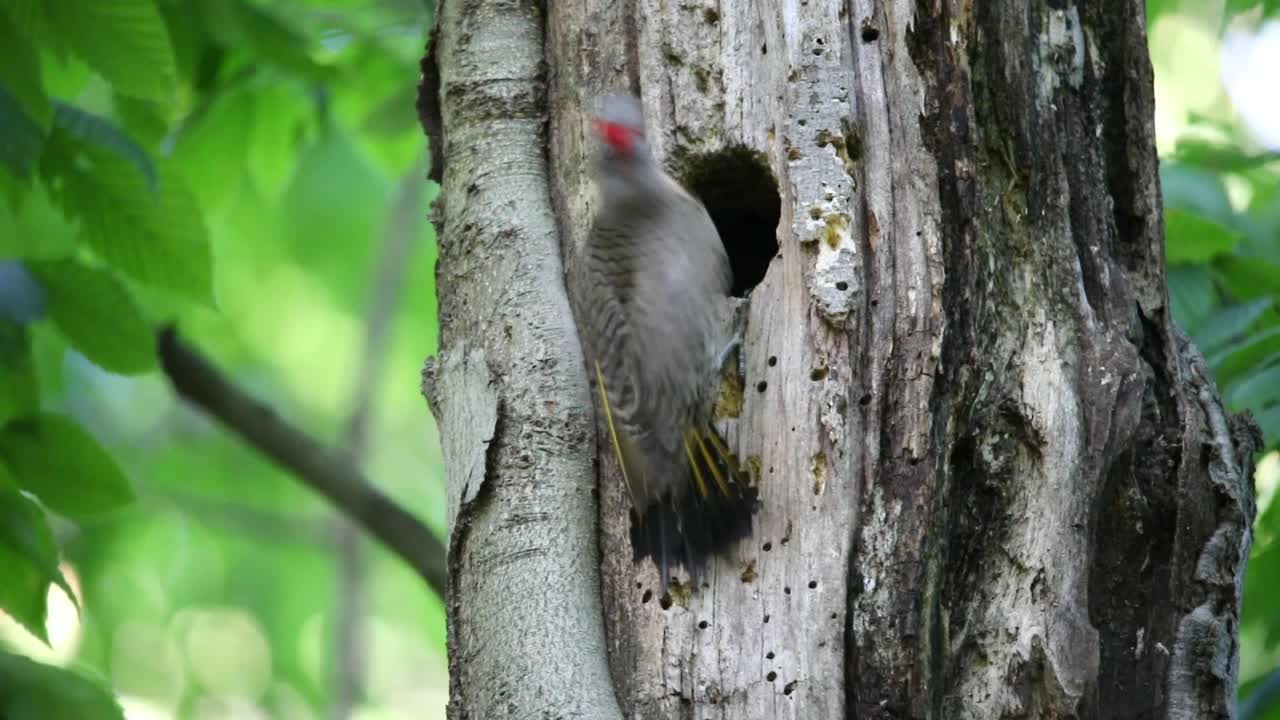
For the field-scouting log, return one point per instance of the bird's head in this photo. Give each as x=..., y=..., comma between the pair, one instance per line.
x=624, y=168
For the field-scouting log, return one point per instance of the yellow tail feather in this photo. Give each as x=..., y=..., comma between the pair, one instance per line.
x=723, y=451
x=693, y=438
x=693, y=466
x=613, y=432
x=711, y=464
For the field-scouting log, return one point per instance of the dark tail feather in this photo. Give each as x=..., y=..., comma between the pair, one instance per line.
x=712, y=510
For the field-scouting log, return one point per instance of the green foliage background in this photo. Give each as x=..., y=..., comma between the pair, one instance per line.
x=236, y=167
x=233, y=167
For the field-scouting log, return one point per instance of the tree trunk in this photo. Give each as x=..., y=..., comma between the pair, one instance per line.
x=996, y=480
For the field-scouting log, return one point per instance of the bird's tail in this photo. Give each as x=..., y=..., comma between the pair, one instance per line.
x=704, y=516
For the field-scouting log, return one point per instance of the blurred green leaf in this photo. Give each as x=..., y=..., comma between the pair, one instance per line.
x=1245, y=355
x=283, y=121
x=32, y=691
x=124, y=40
x=336, y=195
x=1190, y=238
x=277, y=43
x=49, y=351
x=1230, y=323
x=56, y=460
x=1259, y=389
x=65, y=76
x=271, y=39
x=99, y=132
x=1192, y=295
x=20, y=137
x=24, y=529
x=24, y=595
x=19, y=393
x=394, y=115
x=210, y=151
x=1235, y=7
x=1269, y=423
x=1195, y=190
x=1219, y=156
x=97, y=314
x=146, y=120
x=28, y=18
x=1264, y=206
x=13, y=192
x=34, y=227
x=1157, y=8
x=1248, y=277
x=1262, y=584
x=218, y=18
x=20, y=74
x=189, y=36
x=157, y=238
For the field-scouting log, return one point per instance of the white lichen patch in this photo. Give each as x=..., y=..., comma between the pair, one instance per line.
x=1062, y=54
x=826, y=220
x=836, y=282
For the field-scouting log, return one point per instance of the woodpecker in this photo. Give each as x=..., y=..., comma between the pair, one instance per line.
x=651, y=296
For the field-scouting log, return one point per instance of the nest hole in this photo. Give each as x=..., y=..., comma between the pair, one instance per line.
x=741, y=195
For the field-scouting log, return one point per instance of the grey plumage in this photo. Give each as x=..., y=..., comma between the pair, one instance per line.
x=651, y=298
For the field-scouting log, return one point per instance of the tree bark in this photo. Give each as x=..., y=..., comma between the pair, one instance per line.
x=996, y=480
x=525, y=630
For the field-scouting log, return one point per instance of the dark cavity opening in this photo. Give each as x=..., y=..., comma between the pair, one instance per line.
x=742, y=198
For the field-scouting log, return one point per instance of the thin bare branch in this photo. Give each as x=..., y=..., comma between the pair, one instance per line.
x=329, y=472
